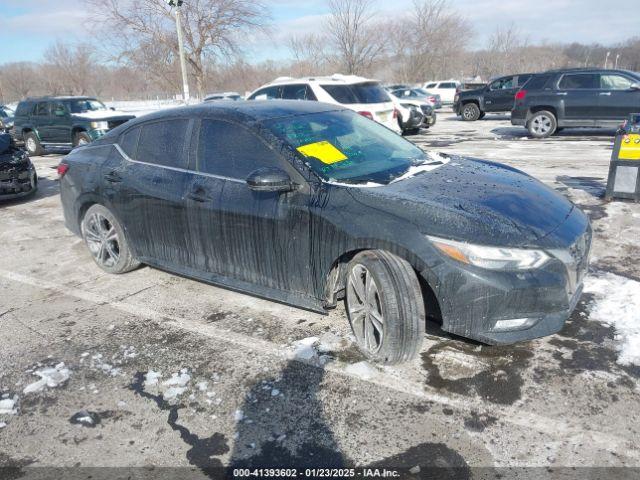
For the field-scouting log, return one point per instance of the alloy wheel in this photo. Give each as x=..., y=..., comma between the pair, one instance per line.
x=102, y=239
x=542, y=124
x=365, y=309
x=468, y=113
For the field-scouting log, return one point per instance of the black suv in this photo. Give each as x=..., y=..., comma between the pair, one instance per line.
x=62, y=122
x=576, y=98
x=472, y=105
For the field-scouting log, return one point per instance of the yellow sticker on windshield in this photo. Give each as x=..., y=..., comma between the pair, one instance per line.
x=323, y=151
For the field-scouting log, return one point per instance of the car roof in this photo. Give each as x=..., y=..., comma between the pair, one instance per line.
x=256, y=110
x=337, y=79
x=591, y=70
x=63, y=97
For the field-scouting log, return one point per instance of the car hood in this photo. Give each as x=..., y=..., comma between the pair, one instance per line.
x=474, y=201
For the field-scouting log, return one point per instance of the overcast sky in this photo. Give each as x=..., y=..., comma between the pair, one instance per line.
x=27, y=27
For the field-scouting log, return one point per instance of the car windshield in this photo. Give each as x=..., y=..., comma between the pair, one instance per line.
x=342, y=146
x=422, y=91
x=369, y=92
x=86, y=105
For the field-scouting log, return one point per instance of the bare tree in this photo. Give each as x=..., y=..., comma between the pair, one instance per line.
x=212, y=28
x=19, y=79
x=70, y=69
x=354, y=35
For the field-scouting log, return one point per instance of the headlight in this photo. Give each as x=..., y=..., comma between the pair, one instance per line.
x=100, y=125
x=492, y=258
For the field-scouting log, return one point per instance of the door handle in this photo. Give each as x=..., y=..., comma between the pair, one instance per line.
x=605, y=94
x=113, y=177
x=198, y=195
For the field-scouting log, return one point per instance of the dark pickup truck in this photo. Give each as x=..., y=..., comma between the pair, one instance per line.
x=497, y=96
x=63, y=122
x=584, y=97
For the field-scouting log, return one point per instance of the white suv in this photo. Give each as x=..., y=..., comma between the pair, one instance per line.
x=447, y=89
x=360, y=94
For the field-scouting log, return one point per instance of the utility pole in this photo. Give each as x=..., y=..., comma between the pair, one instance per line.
x=617, y=58
x=606, y=60
x=183, y=64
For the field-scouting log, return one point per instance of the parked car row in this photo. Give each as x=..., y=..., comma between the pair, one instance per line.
x=547, y=102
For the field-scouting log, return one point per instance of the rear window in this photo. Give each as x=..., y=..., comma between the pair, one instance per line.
x=537, y=82
x=370, y=92
x=163, y=143
x=580, y=81
x=448, y=85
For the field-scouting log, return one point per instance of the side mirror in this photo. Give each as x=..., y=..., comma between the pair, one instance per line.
x=270, y=180
x=635, y=86
x=112, y=108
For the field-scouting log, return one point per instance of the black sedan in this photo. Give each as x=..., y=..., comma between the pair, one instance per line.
x=307, y=203
x=17, y=174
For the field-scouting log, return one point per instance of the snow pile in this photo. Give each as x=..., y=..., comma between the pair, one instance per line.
x=151, y=378
x=617, y=303
x=8, y=406
x=49, y=377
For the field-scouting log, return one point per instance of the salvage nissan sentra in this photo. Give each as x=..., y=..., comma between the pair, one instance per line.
x=308, y=204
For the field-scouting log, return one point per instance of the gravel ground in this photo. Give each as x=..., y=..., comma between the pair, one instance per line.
x=151, y=369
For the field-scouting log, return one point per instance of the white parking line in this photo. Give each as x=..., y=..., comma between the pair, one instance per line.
x=554, y=427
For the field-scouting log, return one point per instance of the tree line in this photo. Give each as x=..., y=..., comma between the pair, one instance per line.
x=138, y=55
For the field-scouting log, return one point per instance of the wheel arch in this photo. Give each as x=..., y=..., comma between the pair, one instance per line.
x=540, y=108
x=335, y=280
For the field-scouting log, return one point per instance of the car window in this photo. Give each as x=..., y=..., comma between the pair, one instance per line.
x=297, y=92
x=579, y=81
x=129, y=142
x=229, y=150
x=537, y=82
x=58, y=109
x=163, y=143
x=522, y=79
x=503, y=84
x=24, y=109
x=369, y=92
x=268, y=93
x=42, y=109
x=448, y=85
x=615, y=82
x=346, y=147
x=431, y=85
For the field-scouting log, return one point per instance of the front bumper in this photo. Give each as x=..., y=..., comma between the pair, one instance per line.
x=18, y=184
x=473, y=300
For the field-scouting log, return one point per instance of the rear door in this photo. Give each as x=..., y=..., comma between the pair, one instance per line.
x=617, y=99
x=499, y=97
x=580, y=94
x=254, y=238
x=145, y=181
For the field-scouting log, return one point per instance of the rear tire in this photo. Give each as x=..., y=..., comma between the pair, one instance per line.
x=81, y=138
x=32, y=145
x=470, y=112
x=105, y=239
x=385, y=306
x=542, y=124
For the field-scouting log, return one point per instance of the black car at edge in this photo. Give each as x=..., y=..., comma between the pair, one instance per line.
x=495, y=97
x=307, y=203
x=558, y=99
x=18, y=176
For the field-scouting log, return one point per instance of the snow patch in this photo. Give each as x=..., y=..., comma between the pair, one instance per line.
x=172, y=393
x=178, y=379
x=151, y=378
x=49, y=377
x=362, y=370
x=8, y=406
x=303, y=349
x=617, y=303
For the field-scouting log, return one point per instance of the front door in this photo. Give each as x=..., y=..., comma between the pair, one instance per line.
x=42, y=121
x=252, y=237
x=617, y=97
x=145, y=180
x=500, y=95
x=60, y=123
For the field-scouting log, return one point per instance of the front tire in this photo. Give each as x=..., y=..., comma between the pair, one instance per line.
x=542, y=124
x=81, y=138
x=33, y=145
x=385, y=307
x=105, y=239
x=470, y=112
